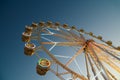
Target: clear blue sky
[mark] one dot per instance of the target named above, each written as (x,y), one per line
(99,16)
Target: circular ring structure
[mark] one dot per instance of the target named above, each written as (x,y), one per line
(71,53)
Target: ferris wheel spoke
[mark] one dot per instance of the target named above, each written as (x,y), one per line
(65,36)
(97,58)
(91,55)
(61,56)
(52,46)
(93,69)
(96,76)
(74,36)
(64,33)
(106,56)
(109,62)
(69,38)
(47,34)
(78,67)
(106,51)
(75,55)
(47,39)
(57,74)
(86,60)
(116,52)
(112,75)
(50,32)
(62,65)
(63,73)
(34,37)
(62,43)
(109,59)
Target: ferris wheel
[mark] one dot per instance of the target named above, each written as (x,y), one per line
(71,54)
